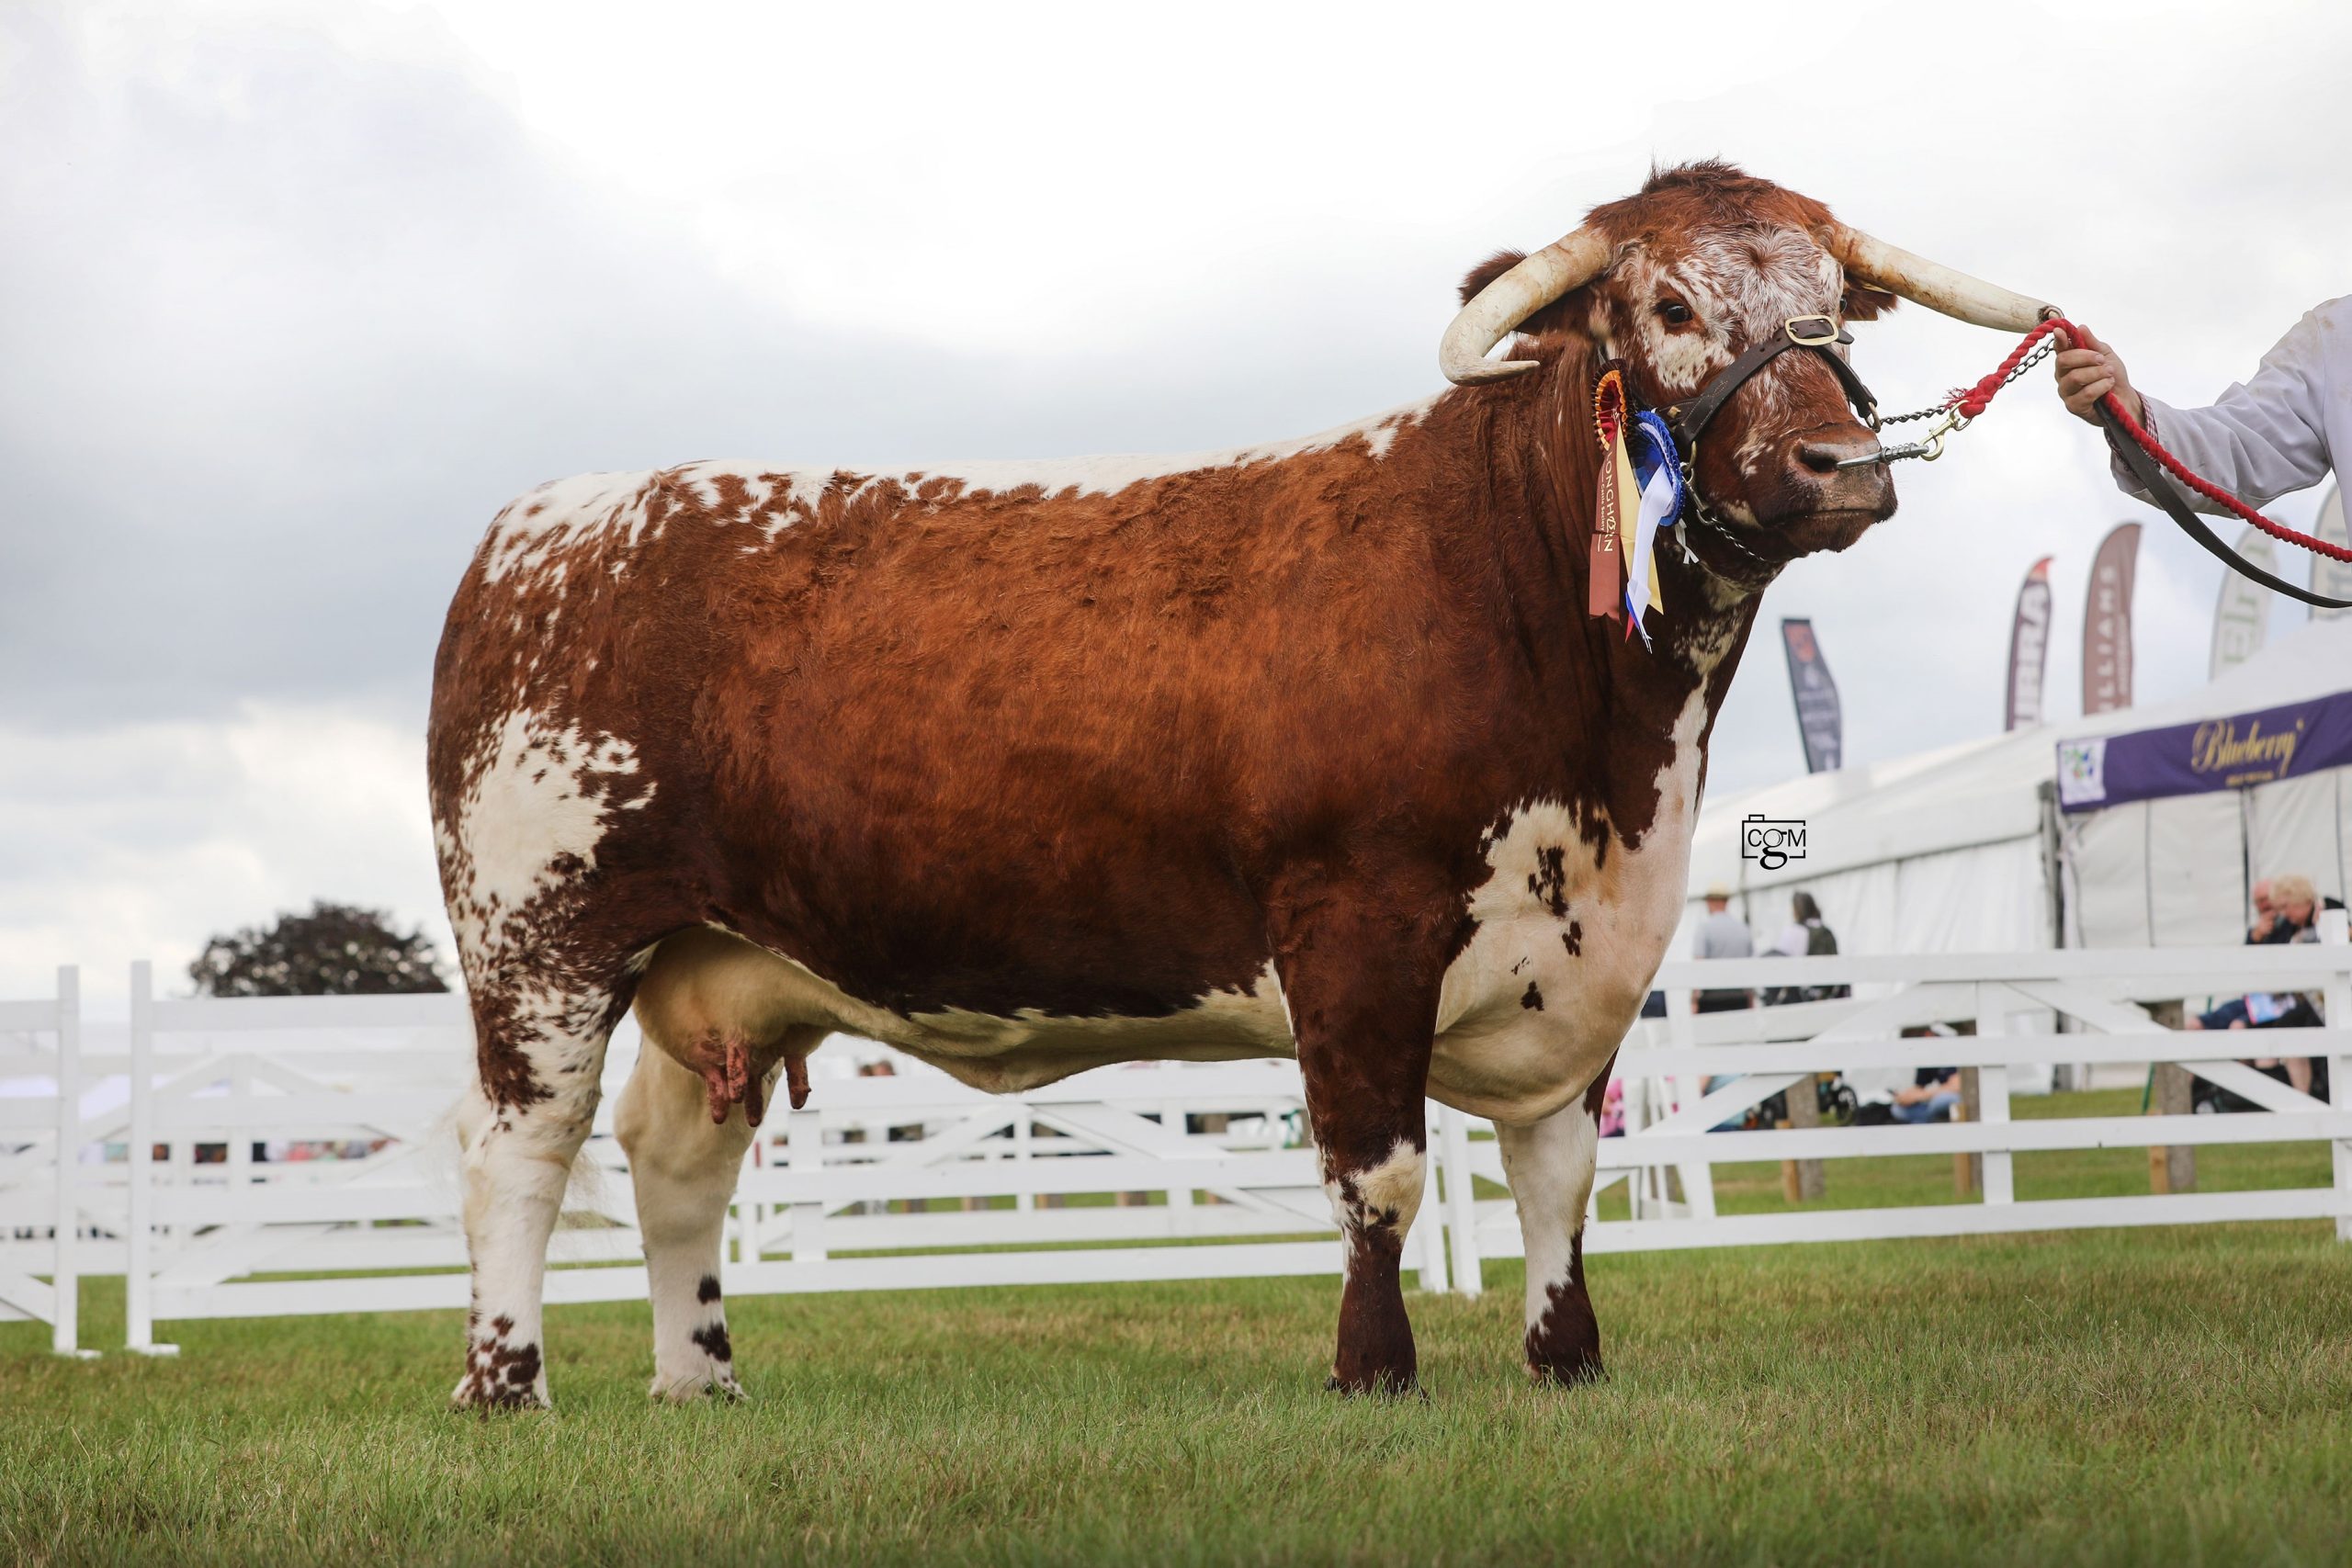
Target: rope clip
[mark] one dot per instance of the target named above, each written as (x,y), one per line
(1928,448)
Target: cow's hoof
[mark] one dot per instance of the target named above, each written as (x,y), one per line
(1568,1371)
(501,1375)
(698,1388)
(1382,1386)
(475,1397)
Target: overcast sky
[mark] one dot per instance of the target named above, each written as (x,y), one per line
(294,296)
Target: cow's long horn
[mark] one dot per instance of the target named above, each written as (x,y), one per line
(1498,307)
(1931,284)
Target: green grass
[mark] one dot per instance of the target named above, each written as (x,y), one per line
(2179,1396)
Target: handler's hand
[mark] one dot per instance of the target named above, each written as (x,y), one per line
(2087,375)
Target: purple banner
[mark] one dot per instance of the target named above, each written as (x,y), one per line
(1821,722)
(2217,754)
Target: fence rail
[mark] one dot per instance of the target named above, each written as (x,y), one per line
(135,1150)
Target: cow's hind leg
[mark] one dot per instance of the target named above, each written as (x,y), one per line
(1550,1167)
(541,1049)
(1364,1009)
(684,1167)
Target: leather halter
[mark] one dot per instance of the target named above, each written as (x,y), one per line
(1820,335)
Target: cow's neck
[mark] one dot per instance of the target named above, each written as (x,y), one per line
(1626,709)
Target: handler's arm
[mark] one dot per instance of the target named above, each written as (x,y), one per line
(2265,436)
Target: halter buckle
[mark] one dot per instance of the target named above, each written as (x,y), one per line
(1812,332)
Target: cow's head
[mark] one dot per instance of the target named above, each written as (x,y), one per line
(1679,282)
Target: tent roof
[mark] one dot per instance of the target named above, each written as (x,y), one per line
(1986,791)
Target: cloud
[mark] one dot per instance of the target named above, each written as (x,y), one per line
(141,839)
(293,298)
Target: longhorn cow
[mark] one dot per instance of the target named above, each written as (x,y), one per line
(1310,749)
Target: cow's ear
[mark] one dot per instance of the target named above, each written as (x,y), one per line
(1863,303)
(1551,318)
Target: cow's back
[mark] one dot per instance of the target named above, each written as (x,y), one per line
(963,743)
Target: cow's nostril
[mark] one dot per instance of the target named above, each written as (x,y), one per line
(1822,457)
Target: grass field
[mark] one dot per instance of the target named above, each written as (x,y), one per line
(2153,1396)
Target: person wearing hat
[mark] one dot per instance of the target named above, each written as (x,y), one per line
(1723,935)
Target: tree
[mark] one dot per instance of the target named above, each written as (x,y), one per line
(336,950)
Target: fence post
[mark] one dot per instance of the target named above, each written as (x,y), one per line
(1025,1136)
(1967,1170)
(2172,1169)
(1803,1180)
(1431,1221)
(1461,1218)
(1994,1169)
(748,1216)
(806,1131)
(1179,1197)
(1698,1175)
(138,1238)
(2335,932)
(65,1326)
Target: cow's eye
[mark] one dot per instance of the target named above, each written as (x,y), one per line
(1674,313)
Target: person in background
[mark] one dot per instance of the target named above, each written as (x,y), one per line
(2265,913)
(2300,903)
(2294,908)
(2285,907)
(1805,936)
(1612,1109)
(1723,935)
(1929,1097)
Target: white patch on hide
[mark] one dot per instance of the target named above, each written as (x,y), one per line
(560,512)
(1550,1167)
(1388,1194)
(537,796)
(1497,1054)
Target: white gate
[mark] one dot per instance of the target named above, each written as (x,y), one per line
(41,1219)
(2013,1003)
(885,1182)
(1158,1171)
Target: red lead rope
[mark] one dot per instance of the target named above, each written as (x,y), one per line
(1973,400)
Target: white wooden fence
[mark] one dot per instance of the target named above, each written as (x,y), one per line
(1158,1171)
(2015,1002)
(40,1044)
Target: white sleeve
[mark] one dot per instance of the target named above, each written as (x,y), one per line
(2267,435)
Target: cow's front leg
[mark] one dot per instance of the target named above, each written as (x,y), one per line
(1363,996)
(1550,1165)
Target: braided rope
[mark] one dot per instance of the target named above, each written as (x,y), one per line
(1971,401)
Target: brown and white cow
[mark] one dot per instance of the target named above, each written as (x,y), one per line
(1309,748)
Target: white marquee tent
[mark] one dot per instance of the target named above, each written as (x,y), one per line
(1955,850)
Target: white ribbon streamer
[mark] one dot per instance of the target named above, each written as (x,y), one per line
(1641,574)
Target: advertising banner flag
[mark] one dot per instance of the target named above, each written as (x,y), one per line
(2236,752)
(2242,616)
(2107,622)
(2029,649)
(1819,718)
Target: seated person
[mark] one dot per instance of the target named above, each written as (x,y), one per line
(2286,909)
(2294,909)
(1612,1109)
(1929,1097)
